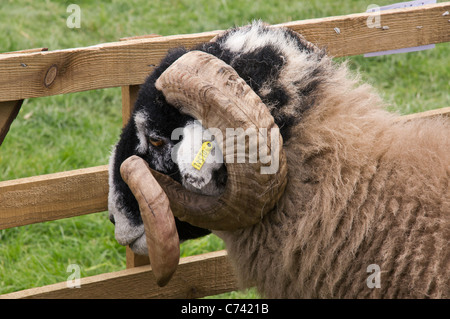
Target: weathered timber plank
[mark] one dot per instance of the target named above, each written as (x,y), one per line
(8,113)
(73,70)
(26,51)
(404,28)
(129,62)
(129,96)
(135,260)
(196,276)
(54,196)
(136,37)
(445,111)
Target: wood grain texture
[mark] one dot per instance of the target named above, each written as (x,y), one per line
(54,196)
(135,260)
(196,277)
(145,36)
(129,96)
(26,51)
(101,66)
(445,111)
(355,37)
(129,62)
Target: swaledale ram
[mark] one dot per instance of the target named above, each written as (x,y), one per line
(359,203)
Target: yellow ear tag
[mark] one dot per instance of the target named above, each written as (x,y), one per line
(202,154)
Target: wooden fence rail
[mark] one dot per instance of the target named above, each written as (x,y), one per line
(43,198)
(39,73)
(46,73)
(196,277)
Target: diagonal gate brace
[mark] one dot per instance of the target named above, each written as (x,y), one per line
(8,112)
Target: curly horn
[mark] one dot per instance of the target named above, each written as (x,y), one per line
(210,90)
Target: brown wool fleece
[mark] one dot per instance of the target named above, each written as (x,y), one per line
(364,187)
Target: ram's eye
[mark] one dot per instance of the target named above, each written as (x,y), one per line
(156,142)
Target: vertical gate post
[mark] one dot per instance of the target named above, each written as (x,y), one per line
(129,95)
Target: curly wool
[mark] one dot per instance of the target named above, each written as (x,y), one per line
(364,187)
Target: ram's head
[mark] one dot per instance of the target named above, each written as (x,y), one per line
(241,127)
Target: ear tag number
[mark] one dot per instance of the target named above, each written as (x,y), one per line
(202,154)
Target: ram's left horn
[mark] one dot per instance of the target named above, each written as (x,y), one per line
(210,90)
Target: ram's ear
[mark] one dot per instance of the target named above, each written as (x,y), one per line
(210,90)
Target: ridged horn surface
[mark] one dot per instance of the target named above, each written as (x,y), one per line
(211,91)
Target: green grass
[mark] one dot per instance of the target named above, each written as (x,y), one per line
(77,130)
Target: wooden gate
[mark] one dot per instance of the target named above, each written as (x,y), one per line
(126,64)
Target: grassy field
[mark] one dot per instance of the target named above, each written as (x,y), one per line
(77,130)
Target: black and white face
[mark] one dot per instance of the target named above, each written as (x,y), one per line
(169,142)
(176,154)
(283,69)
(170,147)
